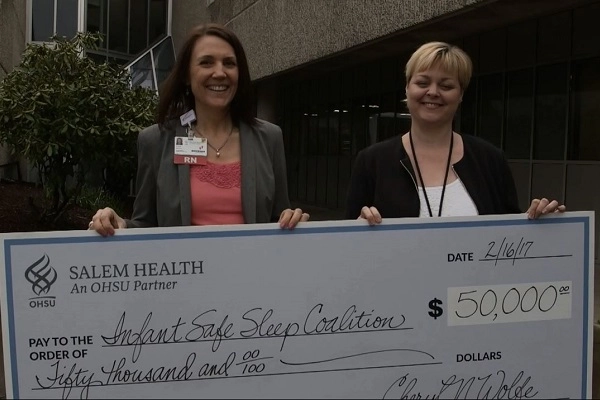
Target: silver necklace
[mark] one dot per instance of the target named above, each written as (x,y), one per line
(216,149)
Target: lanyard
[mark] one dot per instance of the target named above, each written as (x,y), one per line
(412,147)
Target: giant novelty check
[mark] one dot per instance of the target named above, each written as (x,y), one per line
(488,307)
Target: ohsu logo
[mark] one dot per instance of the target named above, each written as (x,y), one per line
(42,276)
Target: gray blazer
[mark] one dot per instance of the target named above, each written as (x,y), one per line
(163,188)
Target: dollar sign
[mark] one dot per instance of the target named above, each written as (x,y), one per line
(436,310)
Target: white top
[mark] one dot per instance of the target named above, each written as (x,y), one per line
(457,202)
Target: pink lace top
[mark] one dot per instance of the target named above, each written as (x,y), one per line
(216,194)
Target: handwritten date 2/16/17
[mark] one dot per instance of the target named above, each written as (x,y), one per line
(507,250)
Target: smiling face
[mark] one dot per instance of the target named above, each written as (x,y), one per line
(213,74)
(433,96)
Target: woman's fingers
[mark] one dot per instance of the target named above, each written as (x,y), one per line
(105,221)
(543,206)
(289,218)
(371,214)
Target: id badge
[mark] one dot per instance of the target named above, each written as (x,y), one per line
(191,151)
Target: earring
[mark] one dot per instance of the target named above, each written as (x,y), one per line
(187,91)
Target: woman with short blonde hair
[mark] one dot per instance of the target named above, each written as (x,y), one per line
(432,170)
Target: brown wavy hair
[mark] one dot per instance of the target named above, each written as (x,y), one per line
(174,100)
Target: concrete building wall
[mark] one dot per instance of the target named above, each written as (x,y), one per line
(12,32)
(12,44)
(282,34)
(185,15)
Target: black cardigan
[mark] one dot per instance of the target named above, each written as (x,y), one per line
(383,177)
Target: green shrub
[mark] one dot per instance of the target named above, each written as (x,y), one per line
(92,198)
(70,116)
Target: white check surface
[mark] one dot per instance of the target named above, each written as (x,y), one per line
(458,307)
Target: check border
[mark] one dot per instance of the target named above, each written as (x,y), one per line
(304,230)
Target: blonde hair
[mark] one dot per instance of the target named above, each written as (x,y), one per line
(446,56)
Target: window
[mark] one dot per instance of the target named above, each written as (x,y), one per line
(142,72)
(118,26)
(492,51)
(157,23)
(97,18)
(42,26)
(164,59)
(586,35)
(554,37)
(550,112)
(50,17)
(491,108)
(138,40)
(521,40)
(129,26)
(66,18)
(468,109)
(584,143)
(519,114)
(386,117)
